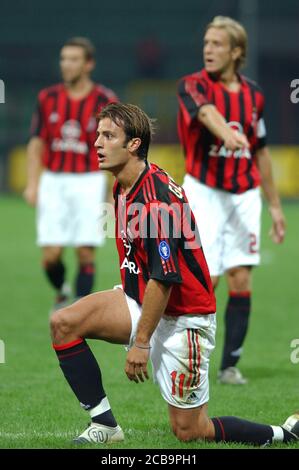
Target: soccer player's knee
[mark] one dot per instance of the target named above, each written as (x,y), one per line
(60,324)
(187,433)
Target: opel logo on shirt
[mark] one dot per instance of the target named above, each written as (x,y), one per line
(71,130)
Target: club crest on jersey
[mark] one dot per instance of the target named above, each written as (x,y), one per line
(54,117)
(164,250)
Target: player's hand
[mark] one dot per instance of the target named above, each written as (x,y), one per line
(278,229)
(235,141)
(136,364)
(30,195)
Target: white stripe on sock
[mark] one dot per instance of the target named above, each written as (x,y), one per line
(278,434)
(100,408)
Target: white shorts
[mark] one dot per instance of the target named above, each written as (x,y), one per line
(180,354)
(68,209)
(229,225)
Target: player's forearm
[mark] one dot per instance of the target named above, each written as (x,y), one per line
(154,304)
(34,161)
(210,117)
(267,181)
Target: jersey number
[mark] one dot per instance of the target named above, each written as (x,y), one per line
(253,244)
(181,384)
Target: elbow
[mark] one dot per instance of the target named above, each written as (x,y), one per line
(204,113)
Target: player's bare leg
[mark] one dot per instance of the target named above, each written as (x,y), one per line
(104,315)
(192,423)
(86,270)
(236,323)
(215,281)
(55,272)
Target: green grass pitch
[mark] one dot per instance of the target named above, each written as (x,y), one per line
(37,408)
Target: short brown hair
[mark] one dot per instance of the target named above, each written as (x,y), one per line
(134,122)
(237,35)
(85,44)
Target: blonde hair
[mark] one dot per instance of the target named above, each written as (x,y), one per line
(236,33)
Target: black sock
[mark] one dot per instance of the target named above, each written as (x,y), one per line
(231,429)
(83,374)
(85,279)
(236,325)
(55,273)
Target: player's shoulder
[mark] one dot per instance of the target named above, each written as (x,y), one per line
(103,91)
(252,84)
(198,79)
(163,184)
(199,76)
(50,91)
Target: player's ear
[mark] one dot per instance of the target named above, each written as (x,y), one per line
(134,144)
(236,53)
(90,65)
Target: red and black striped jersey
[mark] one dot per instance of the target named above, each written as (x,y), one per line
(68,127)
(206,157)
(157,238)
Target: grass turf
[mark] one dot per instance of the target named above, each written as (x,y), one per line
(37,408)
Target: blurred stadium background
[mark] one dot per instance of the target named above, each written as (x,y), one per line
(143,47)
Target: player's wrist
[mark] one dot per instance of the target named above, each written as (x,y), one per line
(141,346)
(142,343)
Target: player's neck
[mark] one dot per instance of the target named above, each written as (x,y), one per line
(229,78)
(79,89)
(129,175)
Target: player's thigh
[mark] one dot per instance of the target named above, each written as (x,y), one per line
(103,315)
(242,233)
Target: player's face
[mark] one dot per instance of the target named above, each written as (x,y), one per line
(111,145)
(217,51)
(73,64)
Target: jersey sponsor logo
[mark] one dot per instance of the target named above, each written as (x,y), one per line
(164,250)
(130,265)
(217,151)
(54,117)
(126,264)
(70,132)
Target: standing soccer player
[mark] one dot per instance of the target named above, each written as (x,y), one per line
(221,128)
(63,175)
(165,308)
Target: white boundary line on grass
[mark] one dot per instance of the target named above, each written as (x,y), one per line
(36,434)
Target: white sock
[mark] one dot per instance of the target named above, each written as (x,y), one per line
(278,434)
(101,408)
